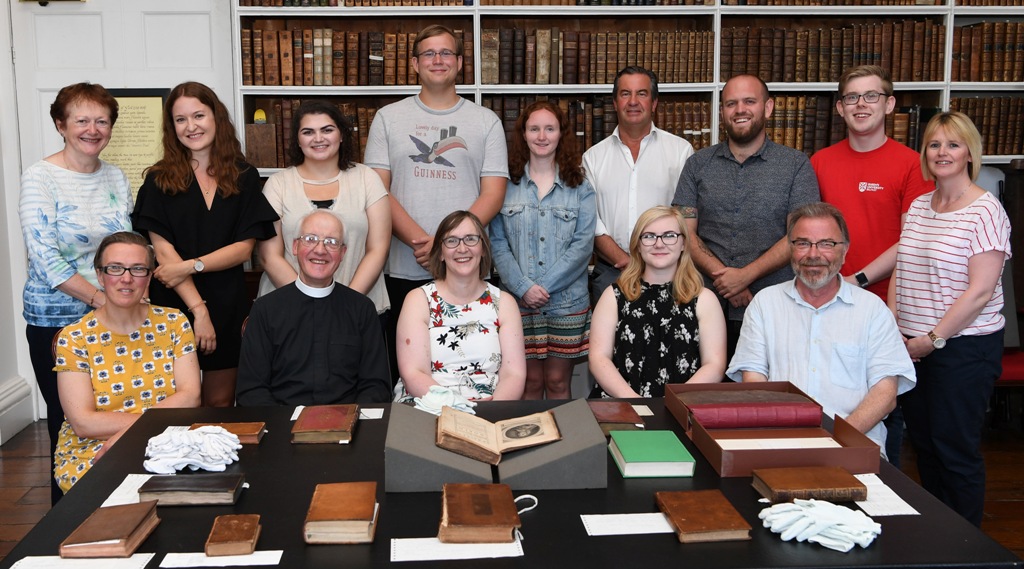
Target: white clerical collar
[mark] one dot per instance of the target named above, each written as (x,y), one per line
(314,291)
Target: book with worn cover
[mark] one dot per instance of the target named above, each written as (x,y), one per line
(114,531)
(233,534)
(650,454)
(832,483)
(343,512)
(248,433)
(731,409)
(325,423)
(485,441)
(615,416)
(193,489)
(702,516)
(478,513)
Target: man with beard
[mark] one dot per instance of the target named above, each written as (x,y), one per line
(735,196)
(835,341)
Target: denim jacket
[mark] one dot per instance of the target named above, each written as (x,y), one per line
(546,242)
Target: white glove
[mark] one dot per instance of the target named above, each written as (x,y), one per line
(832,526)
(208,448)
(438,397)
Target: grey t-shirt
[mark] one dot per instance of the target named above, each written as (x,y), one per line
(436,159)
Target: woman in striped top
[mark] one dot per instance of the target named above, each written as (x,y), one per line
(947,298)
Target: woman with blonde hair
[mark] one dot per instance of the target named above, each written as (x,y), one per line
(657,323)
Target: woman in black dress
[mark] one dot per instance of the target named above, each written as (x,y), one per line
(202,207)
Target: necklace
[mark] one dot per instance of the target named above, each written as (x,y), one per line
(949,204)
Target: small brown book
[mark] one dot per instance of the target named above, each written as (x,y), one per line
(114,531)
(485,441)
(478,513)
(193,489)
(832,483)
(343,512)
(702,515)
(233,534)
(325,424)
(247,433)
(615,416)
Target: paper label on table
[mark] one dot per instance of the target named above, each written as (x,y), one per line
(643,410)
(298,409)
(128,491)
(202,560)
(431,549)
(365,413)
(774,444)
(882,500)
(137,561)
(626,524)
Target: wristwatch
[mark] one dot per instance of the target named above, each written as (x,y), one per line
(862,279)
(937,342)
(198,265)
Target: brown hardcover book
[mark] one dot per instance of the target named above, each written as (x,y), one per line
(217,488)
(683,70)
(390,59)
(742,39)
(810,124)
(246,56)
(318,56)
(702,516)
(800,66)
(598,60)
(257,57)
(114,531)
(352,58)
(364,58)
(670,48)
(297,59)
(530,59)
(403,56)
(279,133)
(832,483)
(233,534)
(468,45)
(570,60)
(271,64)
(248,433)
(612,57)
(904,69)
(287,65)
(847,50)
(485,441)
(767,52)
(1011,52)
(307,57)
(412,78)
(917,64)
(261,145)
(788,56)
(325,424)
(955,55)
(489,43)
(543,53)
(505,36)
(616,415)
(518,56)
(987,54)
(725,54)
(555,68)
(337,57)
(328,50)
(343,512)
(790,122)
(478,513)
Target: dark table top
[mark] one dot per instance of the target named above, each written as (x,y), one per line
(282,477)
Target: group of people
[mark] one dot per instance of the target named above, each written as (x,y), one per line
(378,279)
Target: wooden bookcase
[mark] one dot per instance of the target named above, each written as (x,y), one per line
(804,100)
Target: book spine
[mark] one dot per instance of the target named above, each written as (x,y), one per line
(271,65)
(257,57)
(543,57)
(530,60)
(468,47)
(390,59)
(376,58)
(570,47)
(489,45)
(750,415)
(318,56)
(518,56)
(307,57)
(505,38)
(246,50)
(364,58)
(328,56)
(337,58)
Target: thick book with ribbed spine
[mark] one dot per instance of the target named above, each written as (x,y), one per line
(831,483)
(246,38)
(543,56)
(478,513)
(650,454)
(284,38)
(351,59)
(114,531)
(215,488)
(489,45)
(248,433)
(342,512)
(390,58)
(233,534)
(480,439)
(702,516)
(325,423)
(735,409)
(271,63)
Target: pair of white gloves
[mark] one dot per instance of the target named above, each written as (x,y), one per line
(825,523)
(438,397)
(208,448)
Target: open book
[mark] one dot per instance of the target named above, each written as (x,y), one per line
(485,441)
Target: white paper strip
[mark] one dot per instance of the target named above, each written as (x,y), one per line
(882,500)
(431,549)
(626,524)
(137,561)
(128,491)
(201,559)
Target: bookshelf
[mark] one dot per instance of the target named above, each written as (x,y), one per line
(947,75)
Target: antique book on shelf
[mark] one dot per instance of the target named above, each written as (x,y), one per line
(318,56)
(485,441)
(279,133)
(917,63)
(555,67)
(598,60)
(543,50)
(612,58)
(364,58)
(307,57)
(261,145)
(287,66)
(328,50)
(114,531)
(246,38)
(570,50)
(390,58)
(584,57)
(831,483)
(337,58)
(987,53)
(215,488)
(403,56)
(489,56)
(298,61)
(375,71)
(650,454)
(530,59)
(789,56)
(518,56)
(352,58)
(271,64)
(249,433)
(233,534)
(411,77)
(468,45)
(615,416)
(342,512)
(325,423)
(257,57)
(800,65)
(702,516)
(505,55)
(478,513)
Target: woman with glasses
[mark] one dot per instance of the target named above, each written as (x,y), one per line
(543,238)
(202,208)
(657,323)
(459,331)
(70,200)
(120,359)
(324,175)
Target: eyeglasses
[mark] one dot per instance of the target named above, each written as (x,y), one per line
(823,245)
(668,238)
(452,242)
(101,124)
(311,240)
(118,270)
(869,97)
(430,54)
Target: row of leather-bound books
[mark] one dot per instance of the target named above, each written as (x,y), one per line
(1000,120)
(267,145)
(910,50)
(988,51)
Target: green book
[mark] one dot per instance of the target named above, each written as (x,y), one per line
(650,454)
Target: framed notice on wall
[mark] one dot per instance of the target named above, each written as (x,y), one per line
(135,143)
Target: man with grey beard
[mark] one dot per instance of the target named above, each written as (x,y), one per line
(835,341)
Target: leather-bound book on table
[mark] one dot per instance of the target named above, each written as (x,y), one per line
(831,483)
(114,531)
(248,433)
(750,408)
(702,516)
(233,534)
(343,512)
(615,416)
(325,424)
(219,488)
(478,513)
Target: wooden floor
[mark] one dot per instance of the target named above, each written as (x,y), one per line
(25,490)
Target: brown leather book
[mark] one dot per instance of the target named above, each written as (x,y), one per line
(955,55)
(468,45)
(740,61)
(505,37)
(297,59)
(478,513)
(987,50)
(906,66)
(261,145)
(343,512)
(835,62)
(364,58)
(1011,52)
(918,64)
(543,57)
(287,65)
(278,117)
(530,59)
(307,57)
(617,415)
(337,57)
(726,53)
(327,52)
(114,531)
(832,483)
(670,48)
(800,66)
(584,58)
(518,56)
(351,58)
(233,534)
(612,57)
(402,60)
(246,40)
(570,59)
(390,58)
(271,64)
(325,424)
(193,489)
(555,68)
(489,43)
(257,57)
(702,516)
(599,59)
(248,433)
(766,48)
(790,122)
(788,56)
(375,42)
(480,439)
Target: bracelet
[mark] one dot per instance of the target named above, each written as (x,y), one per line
(195,306)
(92,301)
